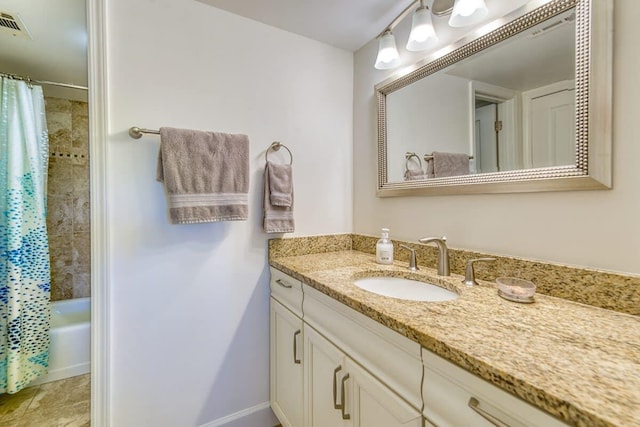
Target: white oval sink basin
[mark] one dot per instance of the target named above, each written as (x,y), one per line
(401,288)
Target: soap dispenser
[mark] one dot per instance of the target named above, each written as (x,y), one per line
(384,248)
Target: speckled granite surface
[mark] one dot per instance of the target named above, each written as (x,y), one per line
(587,286)
(578,362)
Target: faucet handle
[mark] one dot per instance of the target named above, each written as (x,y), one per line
(442,239)
(412,257)
(469,274)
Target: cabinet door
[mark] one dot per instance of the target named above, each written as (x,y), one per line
(286,354)
(373,404)
(324,373)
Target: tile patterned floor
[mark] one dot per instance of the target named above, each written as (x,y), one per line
(64,403)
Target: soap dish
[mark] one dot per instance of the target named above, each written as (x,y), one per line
(516,290)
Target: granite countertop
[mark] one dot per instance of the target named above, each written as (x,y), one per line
(579,363)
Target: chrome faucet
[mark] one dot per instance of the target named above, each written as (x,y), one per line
(469,273)
(412,258)
(443,254)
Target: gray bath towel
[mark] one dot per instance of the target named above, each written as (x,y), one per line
(450,164)
(280,184)
(276,219)
(205,175)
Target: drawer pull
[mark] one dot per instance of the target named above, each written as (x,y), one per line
(295,347)
(343,398)
(475,405)
(336,405)
(284,284)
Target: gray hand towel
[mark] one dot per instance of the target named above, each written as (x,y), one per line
(413,175)
(280,184)
(276,219)
(205,175)
(450,164)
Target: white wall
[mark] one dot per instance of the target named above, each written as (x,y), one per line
(189,313)
(592,228)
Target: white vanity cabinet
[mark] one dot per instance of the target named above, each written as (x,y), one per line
(337,367)
(454,397)
(286,349)
(341,393)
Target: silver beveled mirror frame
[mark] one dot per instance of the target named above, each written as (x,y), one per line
(592,170)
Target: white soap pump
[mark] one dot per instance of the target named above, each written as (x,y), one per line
(384,248)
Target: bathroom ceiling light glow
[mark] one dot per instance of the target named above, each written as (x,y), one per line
(388,56)
(423,34)
(468,12)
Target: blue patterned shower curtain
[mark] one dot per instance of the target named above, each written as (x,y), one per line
(24,249)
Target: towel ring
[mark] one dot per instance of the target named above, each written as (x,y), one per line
(408,155)
(275,146)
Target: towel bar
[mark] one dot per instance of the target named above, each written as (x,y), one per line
(428,157)
(408,155)
(275,146)
(136,132)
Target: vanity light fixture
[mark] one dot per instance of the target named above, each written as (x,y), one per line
(423,34)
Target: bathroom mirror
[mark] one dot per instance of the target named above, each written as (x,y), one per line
(522,105)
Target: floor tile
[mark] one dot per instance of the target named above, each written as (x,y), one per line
(76,415)
(15,405)
(62,393)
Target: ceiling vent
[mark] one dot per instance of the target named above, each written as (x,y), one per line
(10,23)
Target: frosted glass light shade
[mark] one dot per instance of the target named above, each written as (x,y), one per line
(468,12)
(388,56)
(422,32)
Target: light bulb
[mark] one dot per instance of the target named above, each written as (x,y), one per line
(468,12)
(422,32)
(388,56)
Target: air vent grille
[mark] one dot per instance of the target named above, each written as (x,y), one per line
(11,23)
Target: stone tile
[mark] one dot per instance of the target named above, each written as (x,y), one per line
(60,178)
(57,105)
(61,284)
(80,132)
(13,406)
(81,250)
(56,394)
(60,253)
(60,215)
(59,127)
(61,258)
(79,108)
(80,176)
(81,285)
(81,215)
(76,415)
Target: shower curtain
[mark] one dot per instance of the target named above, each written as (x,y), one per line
(24,249)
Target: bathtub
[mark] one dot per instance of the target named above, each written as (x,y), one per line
(70,352)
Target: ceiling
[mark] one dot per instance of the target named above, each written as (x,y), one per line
(347,24)
(57,48)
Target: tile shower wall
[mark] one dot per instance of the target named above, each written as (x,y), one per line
(68,198)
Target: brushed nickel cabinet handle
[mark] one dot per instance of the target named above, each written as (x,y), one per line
(343,398)
(336,405)
(295,347)
(284,284)
(475,405)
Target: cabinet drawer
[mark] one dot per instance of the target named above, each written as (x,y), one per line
(454,397)
(286,290)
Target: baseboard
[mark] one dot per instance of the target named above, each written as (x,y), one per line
(255,416)
(62,373)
